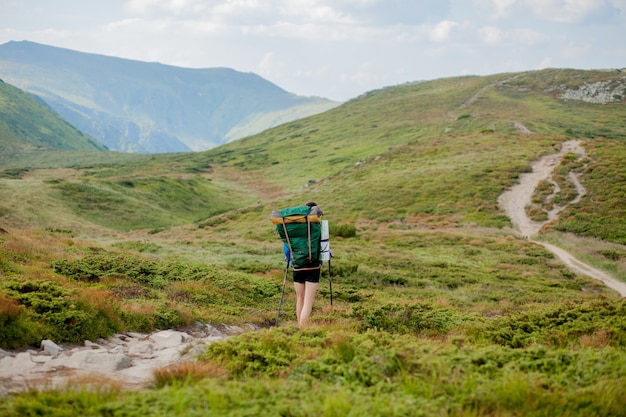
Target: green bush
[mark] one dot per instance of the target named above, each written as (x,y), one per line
(411,318)
(563,325)
(63,316)
(266,353)
(342,230)
(17,329)
(168,319)
(150,272)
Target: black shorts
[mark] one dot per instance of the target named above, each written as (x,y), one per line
(309,273)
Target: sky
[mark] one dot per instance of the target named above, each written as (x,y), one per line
(337,49)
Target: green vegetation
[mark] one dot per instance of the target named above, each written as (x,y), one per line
(145,202)
(87,296)
(27,124)
(439,308)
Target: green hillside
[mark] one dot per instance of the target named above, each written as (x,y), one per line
(439,306)
(27,125)
(447,149)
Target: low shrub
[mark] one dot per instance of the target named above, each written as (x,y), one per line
(60,314)
(562,325)
(266,353)
(17,330)
(342,230)
(411,318)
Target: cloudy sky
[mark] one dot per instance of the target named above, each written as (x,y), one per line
(336,49)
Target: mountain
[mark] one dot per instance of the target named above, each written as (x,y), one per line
(133,106)
(27,124)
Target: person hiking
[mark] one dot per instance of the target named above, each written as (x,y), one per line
(300,230)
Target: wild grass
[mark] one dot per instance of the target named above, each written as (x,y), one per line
(438,308)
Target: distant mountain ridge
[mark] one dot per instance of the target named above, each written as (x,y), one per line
(134,106)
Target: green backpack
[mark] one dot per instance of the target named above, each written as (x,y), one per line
(301,231)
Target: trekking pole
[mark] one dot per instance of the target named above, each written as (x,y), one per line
(326,253)
(283,292)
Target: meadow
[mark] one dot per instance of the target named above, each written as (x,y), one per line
(439,307)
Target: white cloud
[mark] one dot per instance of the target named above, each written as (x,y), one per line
(441,31)
(241,11)
(527,36)
(565,11)
(620,5)
(315,11)
(502,7)
(269,65)
(561,11)
(176,7)
(491,35)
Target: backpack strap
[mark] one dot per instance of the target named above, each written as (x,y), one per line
(308,232)
(288,241)
(296,218)
(313,268)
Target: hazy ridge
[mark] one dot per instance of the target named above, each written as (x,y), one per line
(133,106)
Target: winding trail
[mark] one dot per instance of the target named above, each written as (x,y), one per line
(515,200)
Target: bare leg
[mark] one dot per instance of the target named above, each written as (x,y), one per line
(300,287)
(310,288)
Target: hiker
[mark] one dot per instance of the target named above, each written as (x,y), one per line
(300,230)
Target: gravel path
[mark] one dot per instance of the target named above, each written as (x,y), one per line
(515,200)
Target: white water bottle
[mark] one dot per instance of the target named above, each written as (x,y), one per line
(325,243)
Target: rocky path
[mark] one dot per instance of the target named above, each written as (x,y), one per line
(125,360)
(515,200)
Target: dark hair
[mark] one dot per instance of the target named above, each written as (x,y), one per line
(311,204)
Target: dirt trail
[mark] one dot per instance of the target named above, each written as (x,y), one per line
(515,200)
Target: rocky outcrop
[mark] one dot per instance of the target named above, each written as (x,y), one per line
(601,92)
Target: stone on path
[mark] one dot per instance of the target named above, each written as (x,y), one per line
(93,360)
(19,364)
(169,338)
(50,347)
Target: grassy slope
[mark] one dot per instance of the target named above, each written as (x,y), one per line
(27,125)
(437,306)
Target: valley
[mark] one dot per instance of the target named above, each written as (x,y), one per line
(479,239)
(131,360)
